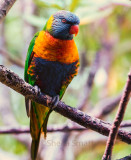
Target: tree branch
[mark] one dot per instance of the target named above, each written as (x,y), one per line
(5,6)
(52,128)
(106,106)
(13,81)
(15,61)
(126,158)
(89,82)
(119,117)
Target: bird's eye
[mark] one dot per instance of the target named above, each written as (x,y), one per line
(64,20)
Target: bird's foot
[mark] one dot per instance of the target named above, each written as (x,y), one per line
(38,90)
(54,102)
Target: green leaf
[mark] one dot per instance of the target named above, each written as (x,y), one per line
(74,4)
(46,4)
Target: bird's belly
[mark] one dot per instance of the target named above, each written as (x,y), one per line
(50,75)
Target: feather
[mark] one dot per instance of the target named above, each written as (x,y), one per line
(34,147)
(28,106)
(51,63)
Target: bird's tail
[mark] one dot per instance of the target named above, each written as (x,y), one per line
(34,147)
(38,120)
(44,127)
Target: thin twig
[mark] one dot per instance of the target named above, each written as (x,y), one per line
(126,158)
(83,62)
(13,81)
(5,6)
(119,117)
(15,61)
(52,128)
(106,106)
(89,83)
(126,123)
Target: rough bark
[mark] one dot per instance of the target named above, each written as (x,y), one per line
(118,119)
(5,6)
(13,81)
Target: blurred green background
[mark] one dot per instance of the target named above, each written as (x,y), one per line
(105,31)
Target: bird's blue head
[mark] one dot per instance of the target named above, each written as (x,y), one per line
(62,25)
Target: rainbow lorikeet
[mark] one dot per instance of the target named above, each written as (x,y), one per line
(51,63)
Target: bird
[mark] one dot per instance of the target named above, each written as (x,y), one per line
(51,63)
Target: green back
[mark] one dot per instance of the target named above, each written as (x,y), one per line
(28,57)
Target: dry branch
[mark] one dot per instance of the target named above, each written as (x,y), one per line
(106,106)
(126,158)
(118,119)
(5,6)
(13,81)
(15,61)
(89,83)
(51,129)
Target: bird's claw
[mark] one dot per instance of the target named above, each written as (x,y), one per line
(54,102)
(38,90)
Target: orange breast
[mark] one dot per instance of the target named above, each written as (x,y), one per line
(52,49)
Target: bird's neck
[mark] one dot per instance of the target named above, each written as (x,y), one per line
(53,49)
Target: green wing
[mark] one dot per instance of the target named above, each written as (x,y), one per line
(26,76)
(29,56)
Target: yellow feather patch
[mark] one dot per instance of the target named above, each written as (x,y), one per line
(49,23)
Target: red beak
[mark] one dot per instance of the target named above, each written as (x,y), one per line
(74,29)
